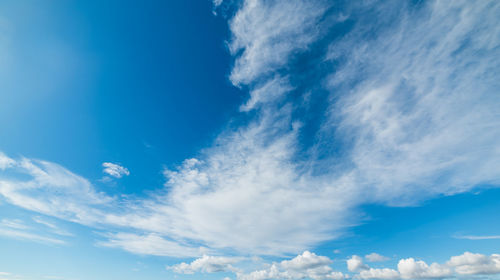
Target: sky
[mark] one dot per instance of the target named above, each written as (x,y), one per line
(249,139)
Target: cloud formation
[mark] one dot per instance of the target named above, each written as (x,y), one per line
(311,266)
(18,230)
(207,264)
(477,237)
(115,170)
(466,264)
(305,266)
(374,257)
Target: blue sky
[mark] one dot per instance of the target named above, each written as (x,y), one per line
(249,140)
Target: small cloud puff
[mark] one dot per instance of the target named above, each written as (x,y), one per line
(115,170)
(374,257)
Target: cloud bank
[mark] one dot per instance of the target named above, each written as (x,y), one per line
(311,266)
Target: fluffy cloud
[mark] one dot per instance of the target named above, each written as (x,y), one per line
(208,264)
(311,266)
(466,264)
(471,264)
(378,273)
(355,263)
(305,266)
(115,170)
(411,269)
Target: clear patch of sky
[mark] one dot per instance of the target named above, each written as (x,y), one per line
(140,84)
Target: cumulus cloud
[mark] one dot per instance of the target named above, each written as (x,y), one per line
(115,170)
(208,264)
(311,266)
(466,264)
(472,264)
(305,266)
(378,273)
(355,263)
(411,269)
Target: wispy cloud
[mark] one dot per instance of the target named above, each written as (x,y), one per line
(150,244)
(477,237)
(28,236)
(15,224)
(52,227)
(17,229)
(5,161)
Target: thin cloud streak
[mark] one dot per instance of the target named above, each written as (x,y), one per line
(477,237)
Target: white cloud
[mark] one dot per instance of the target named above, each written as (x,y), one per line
(374,257)
(355,263)
(268,32)
(474,264)
(307,260)
(411,269)
(28,236)
(466,264)
(206,264)
(115,170)
(477,237)
(150,244)
(378,273)
(15,224)
(50,189)
(5,161)
(17,229)
(305,266)
(423,122)
(53,227)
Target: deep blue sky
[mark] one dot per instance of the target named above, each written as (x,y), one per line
(140,84)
